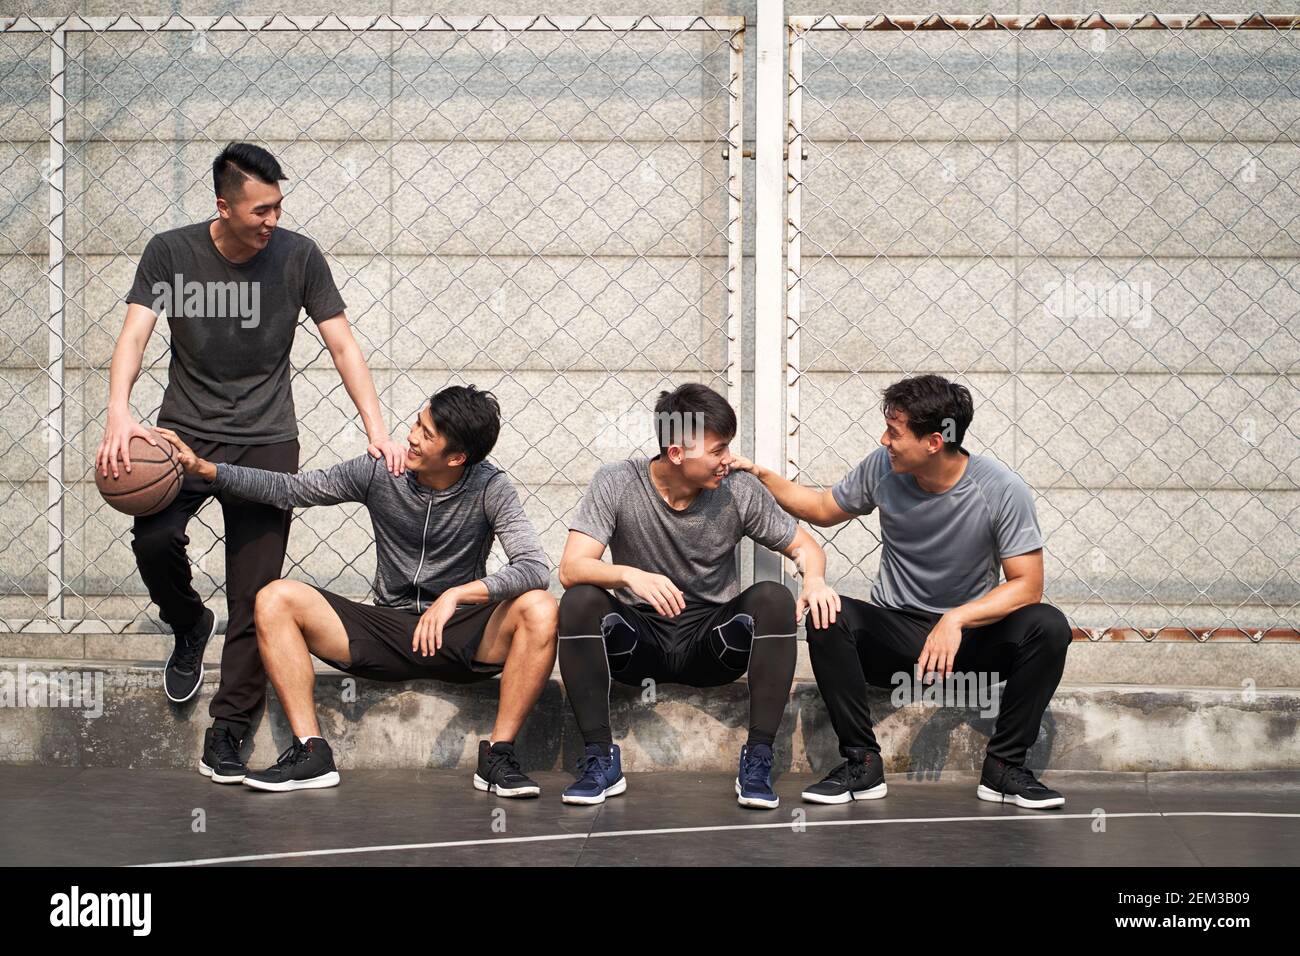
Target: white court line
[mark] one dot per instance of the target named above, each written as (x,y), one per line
(715,829)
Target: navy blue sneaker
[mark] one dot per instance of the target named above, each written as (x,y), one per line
(600,775)
(754,778)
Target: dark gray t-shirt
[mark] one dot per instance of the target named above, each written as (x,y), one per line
(695,548)
(232,327)
(941,550)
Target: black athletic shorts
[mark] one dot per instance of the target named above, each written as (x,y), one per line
(379,642)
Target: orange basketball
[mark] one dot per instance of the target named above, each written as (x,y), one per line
(152,483)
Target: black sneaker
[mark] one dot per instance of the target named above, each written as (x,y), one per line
(861,777)
(304,766)
(221,760)
(183,675)
(499,772)
(1002,783)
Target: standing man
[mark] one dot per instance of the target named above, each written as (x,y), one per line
(947,519)
(232,288)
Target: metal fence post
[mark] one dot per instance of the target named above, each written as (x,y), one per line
(769,221)
(54,419)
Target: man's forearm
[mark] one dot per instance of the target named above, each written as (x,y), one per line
(804,503)
(476,592)
(122,373)
(1002,600)
(593,571)
(814,564)
(360,387)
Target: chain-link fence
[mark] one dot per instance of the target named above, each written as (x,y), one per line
(1091,223)
(547,207)
(1088,222)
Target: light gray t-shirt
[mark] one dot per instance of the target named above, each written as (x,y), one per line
(941,550)
(695,548)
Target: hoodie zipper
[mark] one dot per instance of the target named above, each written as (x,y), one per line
(423,536)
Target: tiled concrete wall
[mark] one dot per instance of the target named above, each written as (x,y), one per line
(1159,436)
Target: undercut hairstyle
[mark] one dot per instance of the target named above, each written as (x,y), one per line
(933,404)
(469,421)
(241,161)
(690,410)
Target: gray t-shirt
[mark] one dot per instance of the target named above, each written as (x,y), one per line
(232,327)
(695,548)
(941,550)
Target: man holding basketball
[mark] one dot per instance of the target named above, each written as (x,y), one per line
(232,288)
(948,519)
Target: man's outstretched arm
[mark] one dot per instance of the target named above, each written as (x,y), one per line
(346,481)
(814,505)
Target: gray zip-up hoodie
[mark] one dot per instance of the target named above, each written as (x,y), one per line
(426,541)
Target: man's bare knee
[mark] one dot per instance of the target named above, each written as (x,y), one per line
(274,604)
(539,615)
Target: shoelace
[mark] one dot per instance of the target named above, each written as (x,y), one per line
(592,765)
(226,747)
(758,769)
(843,774)
(498,757)
(186,656)
(1022,777)
(296,753)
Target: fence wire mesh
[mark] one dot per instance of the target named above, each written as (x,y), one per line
(547,207)
(1092,224)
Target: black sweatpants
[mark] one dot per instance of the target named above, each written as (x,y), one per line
(871,644)
(604,639)
(257,536)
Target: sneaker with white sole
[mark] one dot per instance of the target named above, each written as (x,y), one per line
(860,777)
(1002,783)
(499,771)
(303,766)
(754,778)
(221,760)
(600,775)
(183,673)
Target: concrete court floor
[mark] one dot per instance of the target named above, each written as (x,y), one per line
(110,817)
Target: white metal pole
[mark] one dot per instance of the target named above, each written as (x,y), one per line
(769,226)
(54,561)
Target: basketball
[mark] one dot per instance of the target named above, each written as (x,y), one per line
(152,483)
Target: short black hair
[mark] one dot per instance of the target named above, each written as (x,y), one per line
(468,419)
(708,411)
(933,404)
(240,161)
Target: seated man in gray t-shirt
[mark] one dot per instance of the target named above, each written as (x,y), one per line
(947,520)
(678,615)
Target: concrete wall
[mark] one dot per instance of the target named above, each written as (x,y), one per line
(614,246)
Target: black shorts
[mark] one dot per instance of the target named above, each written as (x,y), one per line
(379,642)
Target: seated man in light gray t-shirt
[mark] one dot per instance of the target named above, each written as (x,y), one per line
(947,520)
(678,614)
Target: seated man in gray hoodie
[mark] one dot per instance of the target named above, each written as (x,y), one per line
(437,613)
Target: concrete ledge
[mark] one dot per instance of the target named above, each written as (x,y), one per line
(128,722)
(1171,663)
